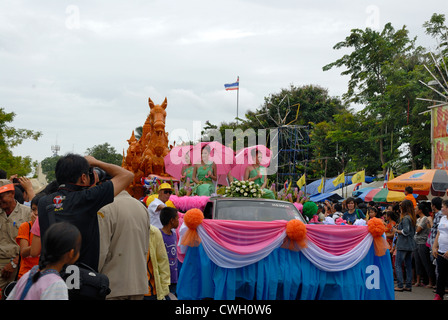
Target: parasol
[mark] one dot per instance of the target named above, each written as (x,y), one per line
(222,156)
(379,195)
(427,182)
(175,160)
(243,159)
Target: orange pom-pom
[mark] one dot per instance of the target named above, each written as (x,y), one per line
(377,228)
(192,219)
(296,235)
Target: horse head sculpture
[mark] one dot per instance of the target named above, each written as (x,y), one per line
(145,156)
(157,116)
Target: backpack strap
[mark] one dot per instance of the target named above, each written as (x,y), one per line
(29,281)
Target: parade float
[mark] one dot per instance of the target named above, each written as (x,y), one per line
(263,260)
(283,260)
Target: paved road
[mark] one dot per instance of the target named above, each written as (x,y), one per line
(417,293)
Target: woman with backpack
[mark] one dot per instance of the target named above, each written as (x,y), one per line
(61,246)
(353,213)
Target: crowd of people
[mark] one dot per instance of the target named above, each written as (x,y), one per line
(417,234)
(83,220)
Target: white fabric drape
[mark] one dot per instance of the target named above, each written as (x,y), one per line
(328,262)
(228,259)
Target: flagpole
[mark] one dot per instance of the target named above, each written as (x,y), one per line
(325,173)
(237,98)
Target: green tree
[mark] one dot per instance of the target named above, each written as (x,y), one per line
(345,144)
(48,166)
(324,152)
(295,106)
(371,53)
(437,29)
(408,125)
(11,137)
(105,152)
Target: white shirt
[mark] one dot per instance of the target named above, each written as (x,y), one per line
(154,214)
(443,234)
(337,215)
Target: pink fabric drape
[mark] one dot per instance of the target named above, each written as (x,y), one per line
(244,237)
(186,203)
(336,239)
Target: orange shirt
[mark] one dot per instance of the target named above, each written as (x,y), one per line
(26,263)
(411,197)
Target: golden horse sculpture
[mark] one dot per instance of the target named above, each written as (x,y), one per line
(145,156)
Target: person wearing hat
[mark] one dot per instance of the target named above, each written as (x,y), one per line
(165,191)
(12,215)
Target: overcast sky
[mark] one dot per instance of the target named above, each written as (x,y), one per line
(81,72)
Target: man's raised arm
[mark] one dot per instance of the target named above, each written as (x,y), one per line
(121,178)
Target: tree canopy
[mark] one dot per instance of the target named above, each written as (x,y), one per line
(11,137)
(390,129)
(105,152)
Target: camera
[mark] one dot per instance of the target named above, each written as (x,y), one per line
(102,175)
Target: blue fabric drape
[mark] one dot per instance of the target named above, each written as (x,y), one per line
(284,275)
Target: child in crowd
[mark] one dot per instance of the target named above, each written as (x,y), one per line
(61,245)
(170,221)
(158,268)
(372,212)
(24,239)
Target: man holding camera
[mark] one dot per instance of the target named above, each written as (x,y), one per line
(78,200)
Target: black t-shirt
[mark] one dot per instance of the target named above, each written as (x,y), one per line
(79,206)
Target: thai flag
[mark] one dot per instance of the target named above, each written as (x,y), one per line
(232,86)
(357,186)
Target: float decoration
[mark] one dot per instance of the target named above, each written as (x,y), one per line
(185,203)
(377,228)
(309,209)
(145,156)
(246,189)
(231,253)
(296,235)
(192,219)
(232,244)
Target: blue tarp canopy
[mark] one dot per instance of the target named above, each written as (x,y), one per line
(320,197)
(311,188)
